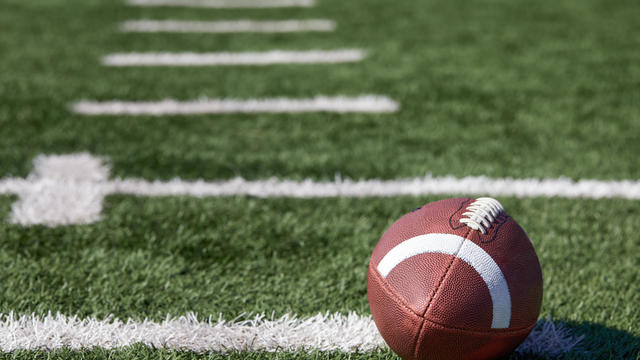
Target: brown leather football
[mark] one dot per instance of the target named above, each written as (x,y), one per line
(455,279)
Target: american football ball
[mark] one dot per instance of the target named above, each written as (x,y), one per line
(455,279)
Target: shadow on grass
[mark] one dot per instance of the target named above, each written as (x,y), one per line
(598,342)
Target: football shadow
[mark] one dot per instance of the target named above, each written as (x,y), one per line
(598,342)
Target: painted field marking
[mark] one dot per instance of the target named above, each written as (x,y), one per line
(271,57)
(61,190)
(336,104)
(224,3)
(230,26)
(325,332)
(69,189)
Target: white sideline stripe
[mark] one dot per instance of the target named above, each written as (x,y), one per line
(337,104)
(232,26)
(224,3)
(325,332)
(228,58)
(465,250)
(69,189)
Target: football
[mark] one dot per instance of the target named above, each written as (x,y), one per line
(455,279)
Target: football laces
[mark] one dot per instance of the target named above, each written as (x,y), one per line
(481,213)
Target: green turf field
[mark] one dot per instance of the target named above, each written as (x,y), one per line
(494,88)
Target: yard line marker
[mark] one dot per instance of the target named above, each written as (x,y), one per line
(61,190)
(324,332)
(337,104)
(69,189)
(224,3)
(228,58)
(231,26)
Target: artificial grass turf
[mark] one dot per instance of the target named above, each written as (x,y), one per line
(153,256)
(502,89)
(144,352)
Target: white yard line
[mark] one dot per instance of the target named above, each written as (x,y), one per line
(337,332)
(337,104)
(428,185)
(224,3)
(69,189)
(230,26)
(231,59)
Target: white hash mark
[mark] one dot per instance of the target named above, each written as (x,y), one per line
(337,104)
(224,3)
(228,26)
(234,58)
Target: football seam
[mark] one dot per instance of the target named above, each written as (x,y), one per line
(433,295)
(392,292)
(444,275)
(416,341)
(508,331)
(398,300)
(402,303)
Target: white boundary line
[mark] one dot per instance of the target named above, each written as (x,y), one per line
(325,332)
(337,104)
(224,3)
(69,189)
(231,59)
(230,26)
